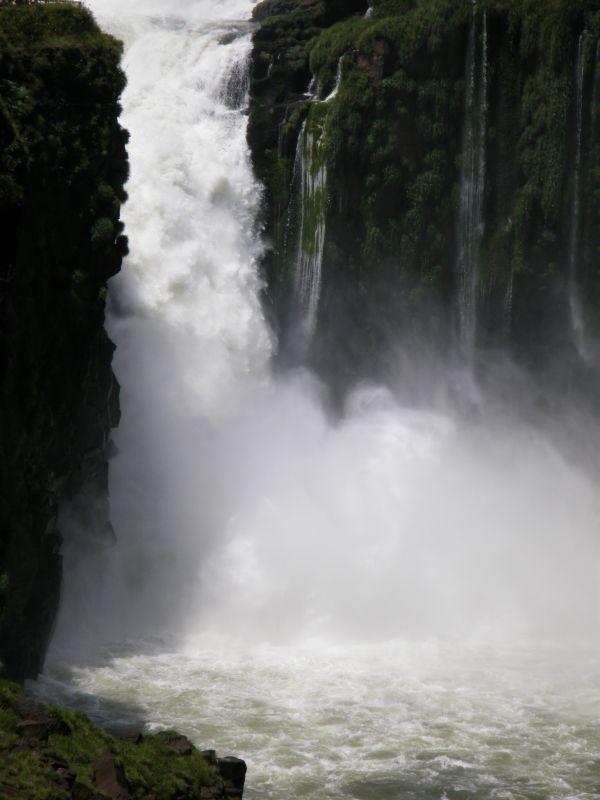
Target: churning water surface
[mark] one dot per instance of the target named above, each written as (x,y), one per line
(395,721)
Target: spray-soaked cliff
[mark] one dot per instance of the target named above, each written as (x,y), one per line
(455,148)
(62,169)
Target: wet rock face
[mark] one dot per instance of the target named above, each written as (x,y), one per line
(393,139)
(233,772)
(63,165)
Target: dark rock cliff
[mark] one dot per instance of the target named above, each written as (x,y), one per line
(63,166)
(391,143)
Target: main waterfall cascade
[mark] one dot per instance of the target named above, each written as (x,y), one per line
(394,601)
(472,184)
(191,338)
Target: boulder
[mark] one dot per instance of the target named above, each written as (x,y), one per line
(233,771)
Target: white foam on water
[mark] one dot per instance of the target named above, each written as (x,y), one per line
(383,721)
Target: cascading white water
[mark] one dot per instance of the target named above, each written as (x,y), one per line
(335,600)
(338,81)
(577,316)
(472,185)
(310,184)
(186,317)
(309,207)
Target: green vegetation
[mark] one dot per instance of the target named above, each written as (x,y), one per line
(56,760)
(393,138)
(50,25)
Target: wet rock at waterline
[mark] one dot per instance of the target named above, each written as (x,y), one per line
(233,771)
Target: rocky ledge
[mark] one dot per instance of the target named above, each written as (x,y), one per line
(47,753)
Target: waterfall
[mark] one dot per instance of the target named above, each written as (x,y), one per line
(334,598)
(472,186)
(308,210)
(338,80)
(231,490)
(312,90)
(310,183)
(192,342)
(578,326)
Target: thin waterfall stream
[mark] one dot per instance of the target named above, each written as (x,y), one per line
(575,305)
(338,80)
(472,183)
(392,601)
(310,178)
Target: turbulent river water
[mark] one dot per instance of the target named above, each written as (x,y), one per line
(394,602)
(393,721)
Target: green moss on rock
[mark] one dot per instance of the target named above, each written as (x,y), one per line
(394,139)
(47,753)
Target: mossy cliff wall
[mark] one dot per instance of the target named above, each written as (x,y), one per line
(63,165)
(392,143)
